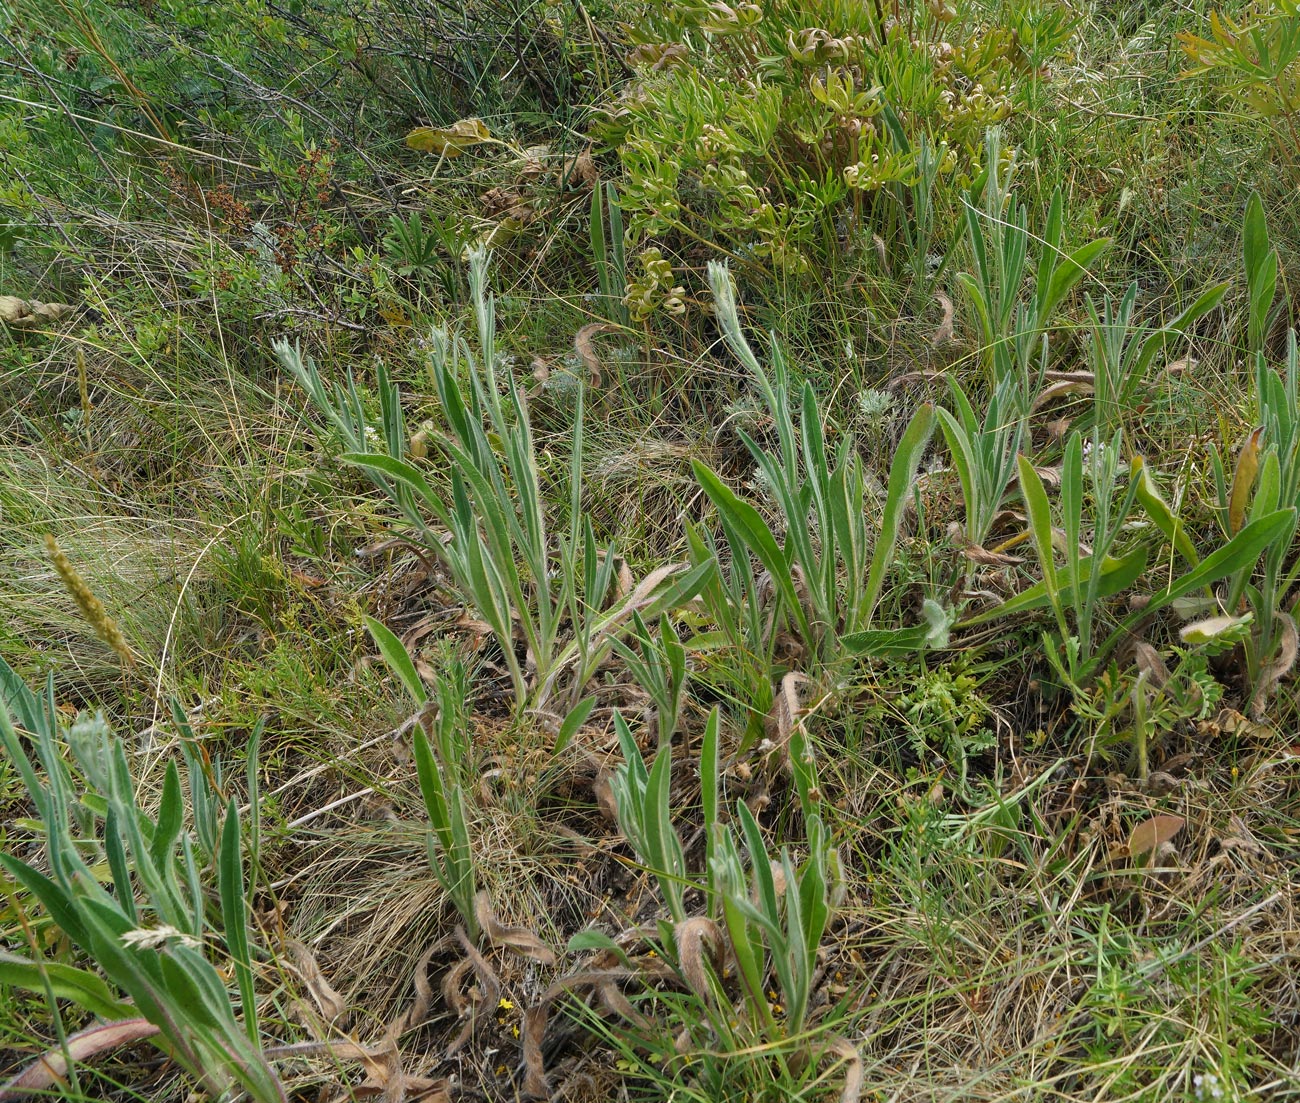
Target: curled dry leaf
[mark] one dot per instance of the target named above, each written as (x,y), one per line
(30,313)
(981,555)
(506,203)
(452,995)
(639,598)
(535,1084)
(449,141)
(49,1069)
(882,251)
(332,1006)
(912,378)
(943,334)
(1060,389)
(534,163)
(466,1008)
(1278,669)
(613,1000)
(1149,661)
(519,939)
(1161,783)
(604,983)
(489,781)
(489,985)
(419,1009)
(1149,835)
(1007,517)
(586,351)
(844,1050)
(1232,722)
(803,592)
(786,709)
(580,171)
(698,939)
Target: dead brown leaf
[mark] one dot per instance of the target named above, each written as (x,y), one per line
(1152,833)
(698,940)
(519,939)
(586,351)
(534,166)
(1059,390)
(534,1029)
(1057,428)
(1278,669)
(1149,661)
(912,378)
(787,709)
(49,1070)
(466,1006)
(419,1009)
(31,313)
(604,795)
(580,171)
(506,203)
(843,1049)
(981,555)
(1051,476)
(613,1000)
(332,1007)
(1231,722)
(943,334)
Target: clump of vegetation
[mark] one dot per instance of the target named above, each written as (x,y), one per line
(725,551)
(785,134)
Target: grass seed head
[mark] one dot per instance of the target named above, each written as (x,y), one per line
(91,607)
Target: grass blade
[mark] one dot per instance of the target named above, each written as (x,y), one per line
(234,915)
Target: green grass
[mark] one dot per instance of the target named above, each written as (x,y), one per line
(208,180)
